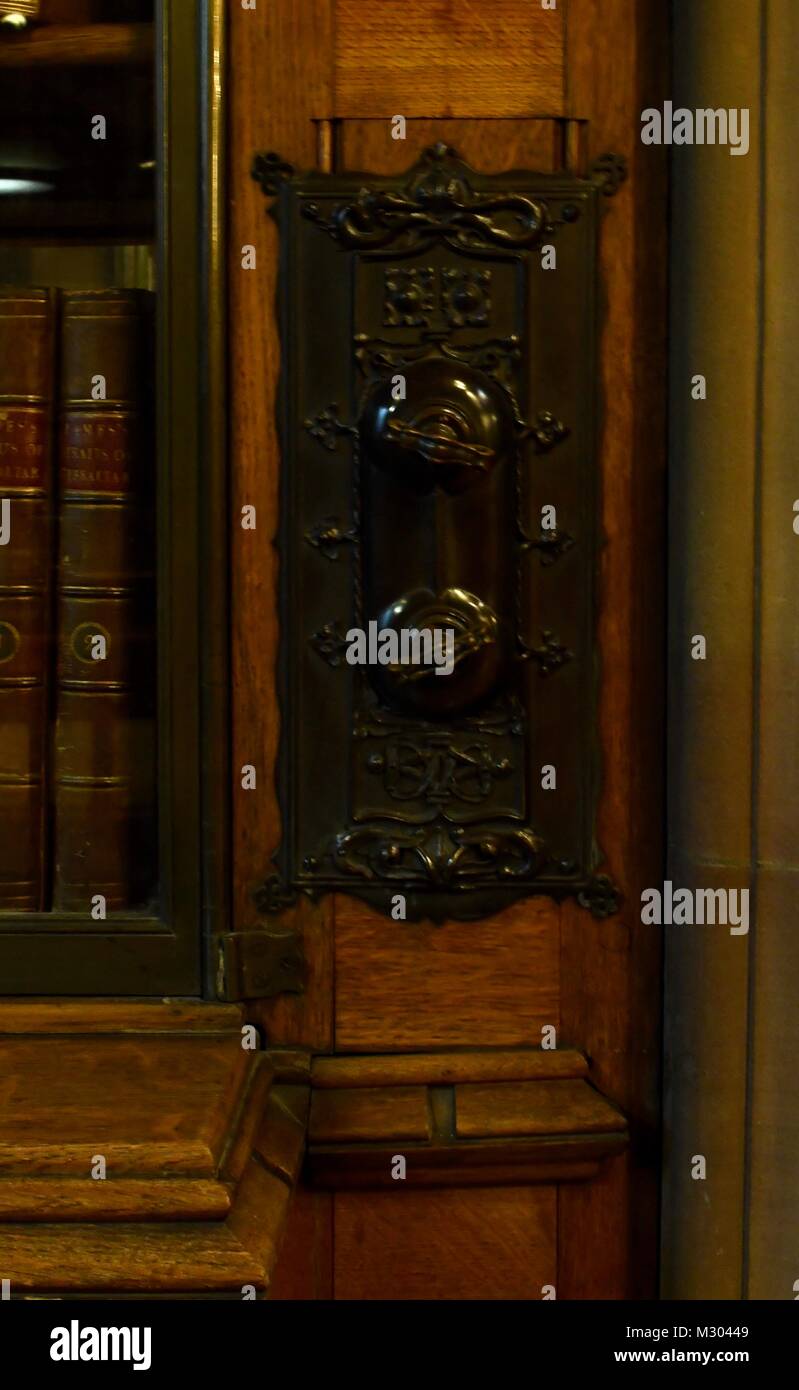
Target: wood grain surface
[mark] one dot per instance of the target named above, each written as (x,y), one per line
(116,1257)
(53,1016)
(375,985)
(149,1106)
(491,1243)
(616,65)
(304,1267)
(414,985)
(396,1112)
(451,58)
(489,146)
(533,1107)
(281,56)
(445,1068)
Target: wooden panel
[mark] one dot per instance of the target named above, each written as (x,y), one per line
(616,64)
(305,1263)
(533,1107)
(412,985)
(281,56)
(147,1106)
(489,146)
(461,1244)
(594,1237)
(445,1068)
(448,59)
(399,1112)
(401,986)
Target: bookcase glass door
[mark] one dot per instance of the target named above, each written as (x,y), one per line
(101,302)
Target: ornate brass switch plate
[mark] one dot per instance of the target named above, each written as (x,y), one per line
(439,476)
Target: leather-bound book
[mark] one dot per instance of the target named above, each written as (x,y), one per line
(104,756)
(26,392)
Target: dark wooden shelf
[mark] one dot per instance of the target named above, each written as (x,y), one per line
(79,45)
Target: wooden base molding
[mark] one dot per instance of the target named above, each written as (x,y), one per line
(488,1118)
(200,1139)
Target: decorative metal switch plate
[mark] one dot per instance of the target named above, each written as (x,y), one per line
(439,474)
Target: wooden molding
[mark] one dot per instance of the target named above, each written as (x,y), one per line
(487,1118)
(201,1140)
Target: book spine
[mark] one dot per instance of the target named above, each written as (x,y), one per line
(104,751)
(27,335)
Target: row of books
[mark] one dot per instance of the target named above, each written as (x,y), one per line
(77,600)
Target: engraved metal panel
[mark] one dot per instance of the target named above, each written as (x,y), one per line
(439,471)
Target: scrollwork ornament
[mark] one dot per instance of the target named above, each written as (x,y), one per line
(273,895)
(437,203)
(609,170)
(270,172)
(600,896)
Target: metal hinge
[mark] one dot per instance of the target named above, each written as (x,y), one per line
(259,964)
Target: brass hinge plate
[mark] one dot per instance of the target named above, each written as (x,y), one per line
(259,964)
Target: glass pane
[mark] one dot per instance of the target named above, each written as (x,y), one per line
(78,601)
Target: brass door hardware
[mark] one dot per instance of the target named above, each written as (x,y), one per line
(439,478)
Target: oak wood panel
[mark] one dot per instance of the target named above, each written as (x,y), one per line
(400,985)
(445,1068)
(595,1250)
(305,1264)
(494,1243)
(616,62)
(403,985)
(450,58)
(487,145)
(533,1107)
(281,61)
(399,1112)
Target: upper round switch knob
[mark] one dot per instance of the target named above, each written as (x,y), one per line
(453,426)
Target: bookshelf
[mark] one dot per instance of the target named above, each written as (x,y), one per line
(106,129)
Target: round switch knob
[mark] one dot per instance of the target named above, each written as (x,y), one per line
(454,425)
